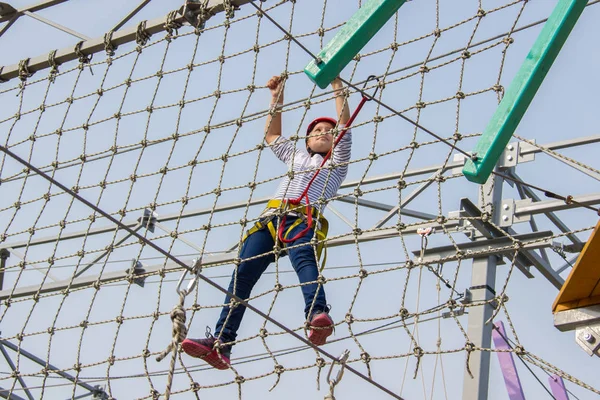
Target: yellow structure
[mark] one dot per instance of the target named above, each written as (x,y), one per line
(582,287)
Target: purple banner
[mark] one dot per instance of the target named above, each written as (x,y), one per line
(507,363)
(558,388)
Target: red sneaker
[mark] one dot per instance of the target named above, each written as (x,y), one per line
(321,327)
(204,349)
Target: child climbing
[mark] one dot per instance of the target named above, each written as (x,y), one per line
(292,218)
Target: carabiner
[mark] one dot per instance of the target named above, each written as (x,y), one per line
(371,97)
(195,268)
(342,361)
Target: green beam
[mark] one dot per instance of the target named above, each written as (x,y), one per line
(522,89)
(350,39)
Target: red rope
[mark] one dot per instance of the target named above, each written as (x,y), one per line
(297,201)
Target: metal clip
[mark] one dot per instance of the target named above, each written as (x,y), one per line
(196,268)
(333,382)
(424,233)
(371,97)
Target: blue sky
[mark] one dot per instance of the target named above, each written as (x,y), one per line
(564,108)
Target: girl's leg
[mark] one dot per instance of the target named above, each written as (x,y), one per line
(305,264)
(248,273)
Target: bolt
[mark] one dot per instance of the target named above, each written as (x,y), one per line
(504,218)
(511,147)
(505,207)
(510,158)
(588,337)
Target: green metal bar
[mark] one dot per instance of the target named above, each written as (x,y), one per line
(350,39)
(522,89)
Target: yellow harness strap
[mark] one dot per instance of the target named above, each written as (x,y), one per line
(321,232)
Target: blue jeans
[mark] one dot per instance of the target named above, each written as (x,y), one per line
(248,272)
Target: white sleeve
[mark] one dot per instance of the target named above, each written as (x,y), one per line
(283,149)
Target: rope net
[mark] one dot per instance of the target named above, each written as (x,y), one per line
(166,135)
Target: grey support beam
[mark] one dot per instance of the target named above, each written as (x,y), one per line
(589,173)
(107,252)
(56,26)
(585,321)
(72,235)
(409,198)
(532,223)
(130,15)
(527,148)
(96,45)
(551,216)
(489,231)
(21,256)
(4,254)
(13,367)
(4,393)
(579,317)
(207,262)
(501,247)
(544,268)
(33,8)
(83,281)
(567,264)
(526,208)
(483,282)
(49,366)
(8,25)
(350,199)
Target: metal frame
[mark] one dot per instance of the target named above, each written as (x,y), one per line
(523,209)
(483,280)
(40,5)
(13,15)
(97,45)
(585,321)
(94,390)
(130,15)
(13,367)
(484,268)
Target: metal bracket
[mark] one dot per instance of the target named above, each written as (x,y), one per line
(588,338)
(467,297)
(100,394)
(508,215)
(458,160)
(148,220)
(512,155)
(6,9)
(457,313)
(580,317)
(466,227)
(137,268)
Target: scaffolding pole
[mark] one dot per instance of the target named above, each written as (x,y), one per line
(483,278)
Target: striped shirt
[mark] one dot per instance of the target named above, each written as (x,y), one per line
(303,167)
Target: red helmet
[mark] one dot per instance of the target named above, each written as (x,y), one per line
(311,126)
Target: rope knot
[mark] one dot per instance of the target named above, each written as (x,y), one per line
(403,313)
(418,352)
(365,357)
(179,329)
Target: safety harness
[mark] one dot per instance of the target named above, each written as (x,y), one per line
(305,214)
